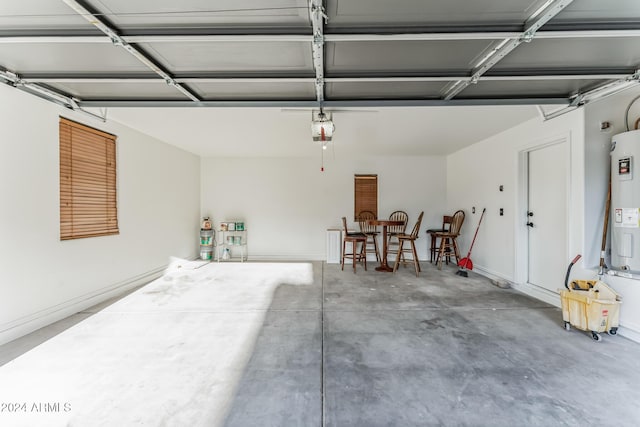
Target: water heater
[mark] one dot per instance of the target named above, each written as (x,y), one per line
(625,202)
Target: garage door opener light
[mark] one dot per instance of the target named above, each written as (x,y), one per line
(322,127)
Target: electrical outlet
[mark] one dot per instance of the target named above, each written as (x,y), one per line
(501,212)
(501,188)
(473,210)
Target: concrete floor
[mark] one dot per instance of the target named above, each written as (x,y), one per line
(21,345)
(382,349)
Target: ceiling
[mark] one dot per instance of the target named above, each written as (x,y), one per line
(147,58)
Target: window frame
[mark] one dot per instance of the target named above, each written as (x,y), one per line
(365,194)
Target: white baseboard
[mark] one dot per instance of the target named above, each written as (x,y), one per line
(490,274)
(32,322)
(526,288)
(630,331)
(544,295)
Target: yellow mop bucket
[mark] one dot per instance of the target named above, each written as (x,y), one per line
(590,305)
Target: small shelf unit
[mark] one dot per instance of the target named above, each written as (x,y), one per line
(233,243)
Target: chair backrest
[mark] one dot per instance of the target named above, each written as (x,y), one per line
(344,225)
(365,227)
(416,227)
(398,216)
(456,223)
(446,222)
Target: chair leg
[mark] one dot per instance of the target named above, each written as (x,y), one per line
(364,254)
(455,250)
(432,248)
(447,250)
(354,247)
(391,243)
(415,257)
(440,254)
(401,253)
(355,255)
(375,246)
(398,255)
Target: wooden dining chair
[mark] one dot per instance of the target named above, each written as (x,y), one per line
(448,239)
(433,244)
(354,238)
(369,230)
(393,244)
(411,240)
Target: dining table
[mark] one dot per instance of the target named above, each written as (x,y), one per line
(384,223)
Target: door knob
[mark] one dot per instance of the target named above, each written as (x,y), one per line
(530,224)
(529,213)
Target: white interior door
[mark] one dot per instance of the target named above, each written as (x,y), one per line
(547,216)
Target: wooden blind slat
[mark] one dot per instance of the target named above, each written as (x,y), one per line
(88,204)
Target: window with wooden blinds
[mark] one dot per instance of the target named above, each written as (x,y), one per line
(88,205)
(366,195)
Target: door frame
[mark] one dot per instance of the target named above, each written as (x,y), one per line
(521,268)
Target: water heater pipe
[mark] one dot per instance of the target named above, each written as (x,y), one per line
(626,114)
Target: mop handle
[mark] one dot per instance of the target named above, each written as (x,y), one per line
(566,278)
(476,233)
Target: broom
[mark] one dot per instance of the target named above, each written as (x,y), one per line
(466,263)
(605,227)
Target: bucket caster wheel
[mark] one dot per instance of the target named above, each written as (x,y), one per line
(613,331)
(596,336)
(567,326)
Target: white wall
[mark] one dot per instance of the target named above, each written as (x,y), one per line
(475,174)
(597,160)
(45,279)
(287,203)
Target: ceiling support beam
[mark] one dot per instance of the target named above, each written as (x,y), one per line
(318,16)
(271,38)
(507,45)
(117,40)
(153,80)
(479,35)
(329,104)
(310,80)
(577,34)
(530,77)
(594,94)
(607,89)
(14,80)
